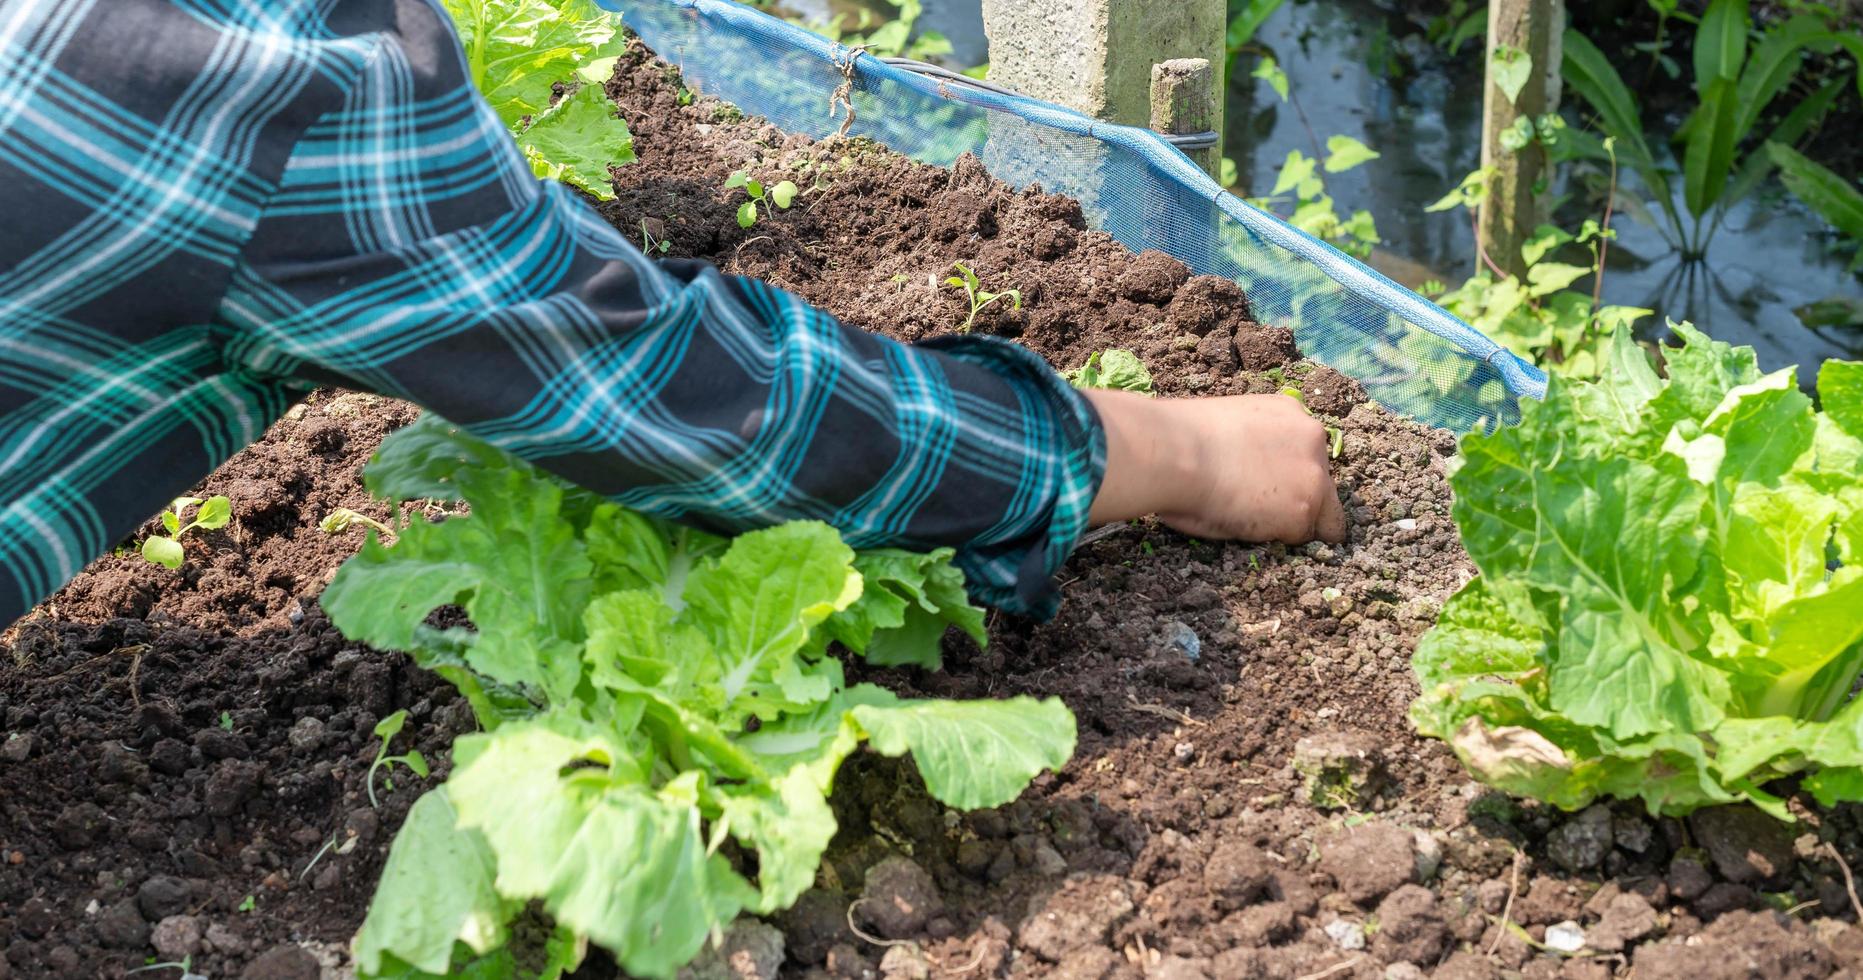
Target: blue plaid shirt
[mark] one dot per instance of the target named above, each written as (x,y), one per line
(209,207)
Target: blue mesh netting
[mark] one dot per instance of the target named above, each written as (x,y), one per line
(1411,356)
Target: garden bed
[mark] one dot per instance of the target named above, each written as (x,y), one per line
(185,752)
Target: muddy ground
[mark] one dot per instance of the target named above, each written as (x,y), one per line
(181,773)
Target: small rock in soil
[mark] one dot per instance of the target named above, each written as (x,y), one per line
(1740,945)
(218,743)
(163,896)
(283,963)
(1369,861)
(751,950)
(1565,937)
(1429,855)
(224,940)
(121,926)
(1688,879)
(1747,846)
(78,825)
(169,757)
(1237,874)
(1581,843)
(1403,971)
(1177,639)
(899,898)
(905,963)
(1466,966)
(1082,913)
(1633,834)
(1340,769)
(307,734)
(233,782)
(18,748)
(1260,925)
(120,765)
(1546,901)
(1178,968)
(815,924)
(177,937)
(36,917)
(1410,926)
(1627,919)
(1349,936)
(1092,963)
(1723,898)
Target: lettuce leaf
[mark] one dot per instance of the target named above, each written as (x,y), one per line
(518,51)
(648,691)
(1669,605)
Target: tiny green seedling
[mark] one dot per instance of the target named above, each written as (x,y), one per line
(649,242)
(781,196)
(967,281)
(1335,436)
(386,730)
(186,966)
(212,515)
(249,903)
(342,519)
(226,721)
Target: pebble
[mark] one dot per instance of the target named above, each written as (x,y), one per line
(177,937)
(1182,640)
(1184,751)
(306,734)
(18,748)
(1403,971)
(1581,843)
(1566,937)
(1349,936)
(1405,524)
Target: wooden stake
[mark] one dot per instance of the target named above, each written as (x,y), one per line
(1183,102)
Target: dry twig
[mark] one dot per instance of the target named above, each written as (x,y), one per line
(1850,882)
(1513,888)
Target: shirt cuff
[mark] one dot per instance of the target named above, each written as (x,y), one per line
(1017,574)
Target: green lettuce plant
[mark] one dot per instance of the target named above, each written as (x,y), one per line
(1670,604)
(648,692)
(518,51)
(1118,369)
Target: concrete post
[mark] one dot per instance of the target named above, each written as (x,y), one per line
(1096,56)
(1183,101)
(1512,209)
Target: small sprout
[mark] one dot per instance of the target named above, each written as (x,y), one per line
(1116,369)
(685,96)
(226,720)
(1336,445)
(761,200)
(967,281)
(249,903)
(653,242)
(212,515)
(186,966)
(342,519)
(1295,393)
(386,730)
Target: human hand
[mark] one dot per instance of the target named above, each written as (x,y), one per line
(1249,467)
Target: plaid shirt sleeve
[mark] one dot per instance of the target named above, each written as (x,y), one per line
(364,220)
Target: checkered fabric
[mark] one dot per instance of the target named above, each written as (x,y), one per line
(209,207)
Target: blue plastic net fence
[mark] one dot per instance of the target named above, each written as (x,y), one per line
(1411,356)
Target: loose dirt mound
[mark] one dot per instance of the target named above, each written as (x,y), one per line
(1248,799)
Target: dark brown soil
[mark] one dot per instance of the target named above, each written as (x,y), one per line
(1180,843)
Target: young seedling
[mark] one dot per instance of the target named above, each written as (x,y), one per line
(650,243)
(342,519)
(212,515)
(1335,436)
(249,903)
(226,721)
(386,730)
(967,281)
(781,196)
